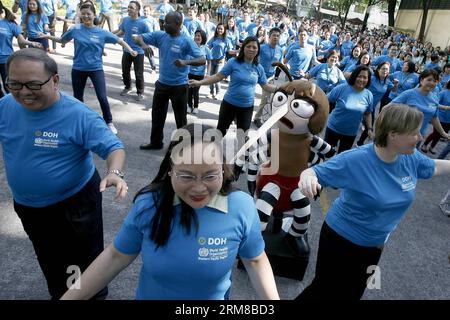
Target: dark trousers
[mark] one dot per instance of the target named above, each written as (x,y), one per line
(333,138)
(365,132)
(50,21)
(67,233)
(341,268)
(193,92)
(3,75)
(151,57)
(97,77)
(435,135)
(44,42)
(138,64)
(163,93)
(229,112)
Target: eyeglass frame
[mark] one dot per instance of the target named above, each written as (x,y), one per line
(27,84)
(195,178)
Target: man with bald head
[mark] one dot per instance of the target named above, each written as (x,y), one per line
(177,52)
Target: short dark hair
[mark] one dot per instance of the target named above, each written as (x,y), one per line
(429,72)
(274,29)
(138,6)
(34,54)
(246,41)
(203,35)
(356,72)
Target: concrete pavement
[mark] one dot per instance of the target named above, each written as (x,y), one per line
(414,265)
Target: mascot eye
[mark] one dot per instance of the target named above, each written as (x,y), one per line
(279,98)
(302,108)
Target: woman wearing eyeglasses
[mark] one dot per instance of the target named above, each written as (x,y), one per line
(10,29)
(189,225)
(89,42)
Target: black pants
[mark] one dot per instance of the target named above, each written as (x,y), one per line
(138,64)
(229,112)
(3,75)
(333,138)
(341,268)
(193,92)
(435,135)
(67,233)
(163,93)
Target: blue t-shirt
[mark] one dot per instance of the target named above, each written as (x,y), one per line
(325,47)
(243,79)
(172,48)
(34,27)
(406,81)
(193,25)
(105,6)
(8,30)
(268,55)
(152,24)
(347,63)
(242,26)
(71,8)
(47,153)
(444,80)
(232,36)
(375,195)
(89,45)
(314,40)
(200,70)
(130,27)
(379,88)
(427,104)
(350,107)
(346,48)
(300,58)
(49,6)
(444,99)
(327,78)
(219,47)
(195,266)
(163,9)
(396,64)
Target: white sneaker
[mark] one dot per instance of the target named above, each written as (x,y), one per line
(125,92)
(194,110)
(111,126)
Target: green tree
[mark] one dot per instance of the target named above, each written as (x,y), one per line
(342,7)
(369,3)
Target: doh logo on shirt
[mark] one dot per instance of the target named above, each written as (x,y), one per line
(4,31)
(46,139)
(407,183)
(175,48)
(46,134)
(212,249)
(94,38)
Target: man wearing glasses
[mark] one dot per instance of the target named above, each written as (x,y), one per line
(391,57)
(47,138)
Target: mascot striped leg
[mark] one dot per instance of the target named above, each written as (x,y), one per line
(267,200)
(297,238)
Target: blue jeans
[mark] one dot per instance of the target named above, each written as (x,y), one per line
(97,77)
(215,65)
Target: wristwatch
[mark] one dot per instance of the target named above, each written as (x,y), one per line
(117,172)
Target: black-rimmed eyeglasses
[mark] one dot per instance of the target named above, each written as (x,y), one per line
(12,85)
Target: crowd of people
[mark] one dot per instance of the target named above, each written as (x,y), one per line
(381,84)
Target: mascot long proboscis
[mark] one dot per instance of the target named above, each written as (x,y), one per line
(299,113)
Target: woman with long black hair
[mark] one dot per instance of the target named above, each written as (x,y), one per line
(245,72)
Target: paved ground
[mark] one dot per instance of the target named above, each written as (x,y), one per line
(414,265)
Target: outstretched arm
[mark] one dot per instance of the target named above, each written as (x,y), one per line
(101,272)
(261,277)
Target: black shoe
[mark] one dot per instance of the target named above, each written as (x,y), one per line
(298,246)
(258,123)
(151,146)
